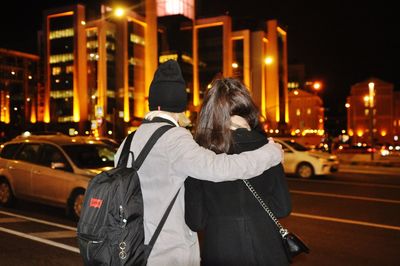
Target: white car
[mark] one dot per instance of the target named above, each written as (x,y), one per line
(51,169)
(304,162)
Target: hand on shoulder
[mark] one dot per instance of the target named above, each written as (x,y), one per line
(275,148)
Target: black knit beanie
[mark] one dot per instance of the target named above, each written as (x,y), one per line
(168,89)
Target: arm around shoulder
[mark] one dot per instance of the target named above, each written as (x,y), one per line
(189,159)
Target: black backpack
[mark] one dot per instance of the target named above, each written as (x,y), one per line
(110,229)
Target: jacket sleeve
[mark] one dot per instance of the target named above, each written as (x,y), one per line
(278,200)
(195,209)
(189,159)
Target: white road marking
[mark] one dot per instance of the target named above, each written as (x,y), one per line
(39,221)
(346,221)
(38,239)
(371,170)
(344,196)
(55,234)
(41,236)
(343,183)
(12,220)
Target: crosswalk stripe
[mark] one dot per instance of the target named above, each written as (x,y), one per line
(42,240)
(346,221)
(344,196)
(11,220)
(55,234)
(39,221)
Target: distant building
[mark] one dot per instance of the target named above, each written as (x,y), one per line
(296,76)
(306,113)
(18,88)
(306,108)
(383,117)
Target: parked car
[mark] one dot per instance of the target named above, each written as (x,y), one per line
(109,141)
(304,162)
(51,169)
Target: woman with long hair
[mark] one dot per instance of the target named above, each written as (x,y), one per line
(234,228)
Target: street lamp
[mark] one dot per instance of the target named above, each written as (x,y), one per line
(317,86)
(119,12)
(268,60)
(371,96)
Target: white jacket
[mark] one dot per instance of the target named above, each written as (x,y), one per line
(173,158)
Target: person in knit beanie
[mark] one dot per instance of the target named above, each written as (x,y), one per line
(173,158)
(167,92)
(168,89)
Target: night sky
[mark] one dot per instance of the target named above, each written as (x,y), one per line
(340,42)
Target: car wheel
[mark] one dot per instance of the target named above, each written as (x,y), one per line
(6,194)
(75,203)
(305,170)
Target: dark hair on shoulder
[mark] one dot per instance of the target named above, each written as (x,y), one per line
(227,97)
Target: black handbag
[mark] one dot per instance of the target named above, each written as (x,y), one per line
(292,244)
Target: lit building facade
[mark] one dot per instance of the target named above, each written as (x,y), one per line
(277,76)
(66,98)
(94,69)
(98,68)
(257,57)
(18,88)
(115,70)
(379,113)
(306,113)
(296,76)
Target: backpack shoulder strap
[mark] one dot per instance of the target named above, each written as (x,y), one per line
(160,226)
(163,219)
(123,158)
(149,145)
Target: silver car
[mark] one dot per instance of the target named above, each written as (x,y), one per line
(51,169)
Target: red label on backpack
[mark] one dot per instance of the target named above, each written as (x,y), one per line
(95,203)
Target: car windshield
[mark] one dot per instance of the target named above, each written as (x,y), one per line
(296,146)
(90,155)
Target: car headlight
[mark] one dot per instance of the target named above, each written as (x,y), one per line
(318,157)
(332,158)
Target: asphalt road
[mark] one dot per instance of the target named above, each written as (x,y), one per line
(346,219)
(351,219)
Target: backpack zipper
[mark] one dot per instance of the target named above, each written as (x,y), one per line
(122,216)
(122,245)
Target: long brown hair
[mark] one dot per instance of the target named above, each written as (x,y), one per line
(227,97)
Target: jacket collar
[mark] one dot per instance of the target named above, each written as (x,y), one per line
(158,117)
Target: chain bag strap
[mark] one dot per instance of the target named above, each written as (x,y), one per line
(292,244)
(282,230)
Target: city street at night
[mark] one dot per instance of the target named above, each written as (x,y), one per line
(78,77)
(346,219)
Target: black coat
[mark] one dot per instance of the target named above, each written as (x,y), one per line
(233,227)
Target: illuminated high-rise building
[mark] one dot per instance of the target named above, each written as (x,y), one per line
(260,58)
(276,75)
(18,88)
(99,63)
(66,98)
(94,68)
